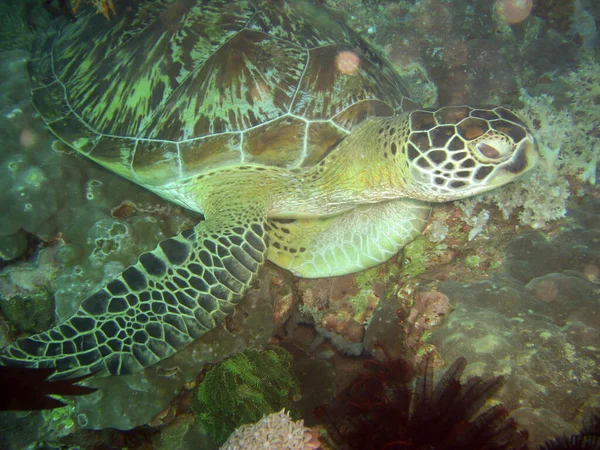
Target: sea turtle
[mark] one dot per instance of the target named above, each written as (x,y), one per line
(284,128)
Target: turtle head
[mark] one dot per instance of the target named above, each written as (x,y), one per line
(456,152)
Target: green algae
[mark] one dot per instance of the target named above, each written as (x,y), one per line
(59,421)
(486,344)
(414,257)
(472,262)
(243,388)
(29,314)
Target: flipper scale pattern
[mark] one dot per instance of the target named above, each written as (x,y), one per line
(169,298)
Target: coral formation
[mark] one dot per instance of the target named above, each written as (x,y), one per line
(273,431)
(569,143)
(568,136)
(243,388)
(536,323)
(341,307)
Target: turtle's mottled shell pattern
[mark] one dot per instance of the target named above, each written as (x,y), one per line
(169,89)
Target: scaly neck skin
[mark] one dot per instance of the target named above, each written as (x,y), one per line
(356,172)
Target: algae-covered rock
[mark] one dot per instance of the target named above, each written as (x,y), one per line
(536,324)
(32,314)
(13,246)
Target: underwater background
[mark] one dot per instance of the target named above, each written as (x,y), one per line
(509,280)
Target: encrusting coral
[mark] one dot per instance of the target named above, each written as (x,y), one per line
(275,431)
(568,136)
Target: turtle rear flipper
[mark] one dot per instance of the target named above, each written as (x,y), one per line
(170,297)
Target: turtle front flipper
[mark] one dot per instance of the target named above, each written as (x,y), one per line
(349,242)
(170,297)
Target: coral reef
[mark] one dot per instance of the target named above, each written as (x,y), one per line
(273,431)
(568,140)
(339,307)
(567,136)
(463,48)
(536,323)
(381,410)
(243,388)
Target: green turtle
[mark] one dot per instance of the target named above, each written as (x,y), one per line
(297,142)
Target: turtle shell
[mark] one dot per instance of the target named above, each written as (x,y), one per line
(167,90)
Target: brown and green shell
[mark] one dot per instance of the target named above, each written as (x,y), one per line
(169,89)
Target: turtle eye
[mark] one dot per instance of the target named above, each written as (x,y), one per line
(488,151)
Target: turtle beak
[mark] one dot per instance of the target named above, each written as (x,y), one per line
(525,157)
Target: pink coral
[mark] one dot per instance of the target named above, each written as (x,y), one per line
(275,431)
